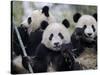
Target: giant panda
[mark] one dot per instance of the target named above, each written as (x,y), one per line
(32,22)
(48,55)
(31,28)
(29,42)
(35,23)
(31,31)
(84,40)
(85,33)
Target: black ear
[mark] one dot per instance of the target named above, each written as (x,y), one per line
(29,20)
(45,10)
(44,24)
(76,17)
(66,23)
(95,16)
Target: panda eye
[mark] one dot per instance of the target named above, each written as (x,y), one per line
(93,28)
(84,26)
(50,38)
(60,35)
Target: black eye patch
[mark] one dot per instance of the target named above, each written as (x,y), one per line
(50,38)
(60,35)
(29,20)
(93,28)
(84,26)
(44,24)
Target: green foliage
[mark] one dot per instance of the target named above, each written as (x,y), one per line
(17,12)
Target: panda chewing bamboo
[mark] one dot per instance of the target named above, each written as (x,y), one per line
(48,55)
(84,40)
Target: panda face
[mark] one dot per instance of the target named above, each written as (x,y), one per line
(89,31)
(34,20)
(55,35)
(88,24)
(56,40)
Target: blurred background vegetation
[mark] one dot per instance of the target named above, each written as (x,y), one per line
(21,9)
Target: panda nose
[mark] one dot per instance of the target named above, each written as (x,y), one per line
(57,43)
(89,34)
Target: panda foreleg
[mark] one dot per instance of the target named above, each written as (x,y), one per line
(40,65)
(60,63)
(76,42)
(41,61)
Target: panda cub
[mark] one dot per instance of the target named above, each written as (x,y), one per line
(48,55)
(36,24)
(35,38)
(85,34)
(31,28)
(32,22)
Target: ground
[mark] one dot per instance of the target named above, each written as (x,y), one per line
(88,59)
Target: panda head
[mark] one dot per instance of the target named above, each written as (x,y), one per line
(55,35)
(88,23)
(34,20)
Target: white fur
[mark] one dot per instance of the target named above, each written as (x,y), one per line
(88,21)
(55,28)
(37,17)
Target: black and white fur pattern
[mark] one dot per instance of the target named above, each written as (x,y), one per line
(33,21)
(31,28)
(55,35)
(35,38)
(49,52)
(85,34)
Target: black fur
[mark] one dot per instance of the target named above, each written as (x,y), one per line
(76,17)
(34,40)
(45,10)
(16,48)
(93,28)
(15,42)
(43,57)
(44,24)
(95,16)
(60,35)
(66,23)
(79,37)
(67,53)
(76,40)
(29,20)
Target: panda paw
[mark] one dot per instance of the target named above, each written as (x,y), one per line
(28,59)
(79,31)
